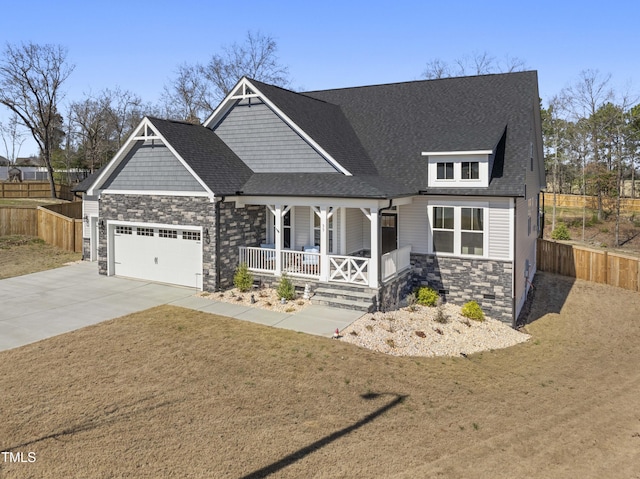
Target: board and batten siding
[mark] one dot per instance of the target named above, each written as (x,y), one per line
(263,141)
(414,227)
(152,168)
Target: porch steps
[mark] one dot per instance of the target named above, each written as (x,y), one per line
(346,297)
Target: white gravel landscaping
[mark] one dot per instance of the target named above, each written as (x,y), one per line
(415,332)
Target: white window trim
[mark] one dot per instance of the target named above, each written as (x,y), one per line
(457,227)
(457,160)
(331,219)
(271,225)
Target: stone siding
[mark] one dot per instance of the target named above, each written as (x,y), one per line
(170,210)
(488,282)
(394,291)
(238,227)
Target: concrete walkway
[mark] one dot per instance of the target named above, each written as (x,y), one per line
(41,305)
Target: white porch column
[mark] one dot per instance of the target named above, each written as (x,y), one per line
(278,238)
(374,262)
(324,244)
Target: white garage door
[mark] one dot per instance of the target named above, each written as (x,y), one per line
(163,254)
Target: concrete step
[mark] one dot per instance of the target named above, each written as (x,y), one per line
(344,303)
(346,297)
(355,295)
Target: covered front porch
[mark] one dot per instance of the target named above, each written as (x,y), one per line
(352,241)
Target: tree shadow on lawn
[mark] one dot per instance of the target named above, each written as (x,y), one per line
(315,446)
(548,295)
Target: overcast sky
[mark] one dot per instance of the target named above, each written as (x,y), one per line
(330,44)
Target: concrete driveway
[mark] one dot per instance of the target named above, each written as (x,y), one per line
(40,305)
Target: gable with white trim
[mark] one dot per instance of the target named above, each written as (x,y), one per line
(266,143)
(150,166)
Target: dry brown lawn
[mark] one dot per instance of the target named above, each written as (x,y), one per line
(171,392)
(25,254)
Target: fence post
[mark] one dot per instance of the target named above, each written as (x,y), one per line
(606,268)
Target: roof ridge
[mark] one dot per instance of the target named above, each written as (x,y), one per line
(409,82)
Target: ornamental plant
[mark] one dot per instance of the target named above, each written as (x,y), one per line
(285,288)
(472,310)
(243,279)
(426,296)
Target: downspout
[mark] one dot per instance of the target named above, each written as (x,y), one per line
(513,269)
(379,258)
(217,239)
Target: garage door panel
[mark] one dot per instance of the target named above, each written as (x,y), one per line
(158,254)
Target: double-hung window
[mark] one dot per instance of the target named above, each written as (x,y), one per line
(470,170)
(472,231)
(445,171)
(458,230)
(443,229)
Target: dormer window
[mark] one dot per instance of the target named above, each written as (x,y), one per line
(470,170)
(464,169)
(445,171)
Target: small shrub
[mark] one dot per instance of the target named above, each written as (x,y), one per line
(441,316)
(472,310)
(285,288)
(391,343)
(353,333)
(421,334)
(243,279)
(290,310)
(561,233)
(369,328)
(427,296)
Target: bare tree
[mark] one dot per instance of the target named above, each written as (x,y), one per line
(125,110)
(583,99)
(256,58)
(31,77)
(478,63)
(90,122)
(187,95)
(12,137)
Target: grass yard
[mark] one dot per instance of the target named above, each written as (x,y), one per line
(25,254)
(170,392)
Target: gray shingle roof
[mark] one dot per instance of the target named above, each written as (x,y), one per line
(378,133)
(209,157)
(396,122)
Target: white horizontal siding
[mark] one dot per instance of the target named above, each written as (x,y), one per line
(354,228)
(500,215)
(413,225)
(90,208)
(302,217)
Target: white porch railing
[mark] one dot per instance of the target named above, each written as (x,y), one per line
(349,269)
(261,260)
(396,261)
(294,263)
(301,263)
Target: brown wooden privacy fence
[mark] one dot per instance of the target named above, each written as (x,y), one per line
(577,201)
(18,221)
(34,189)
(592,265)
(58,225)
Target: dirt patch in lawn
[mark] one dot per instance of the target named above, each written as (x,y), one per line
(25,254)
(171,392)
